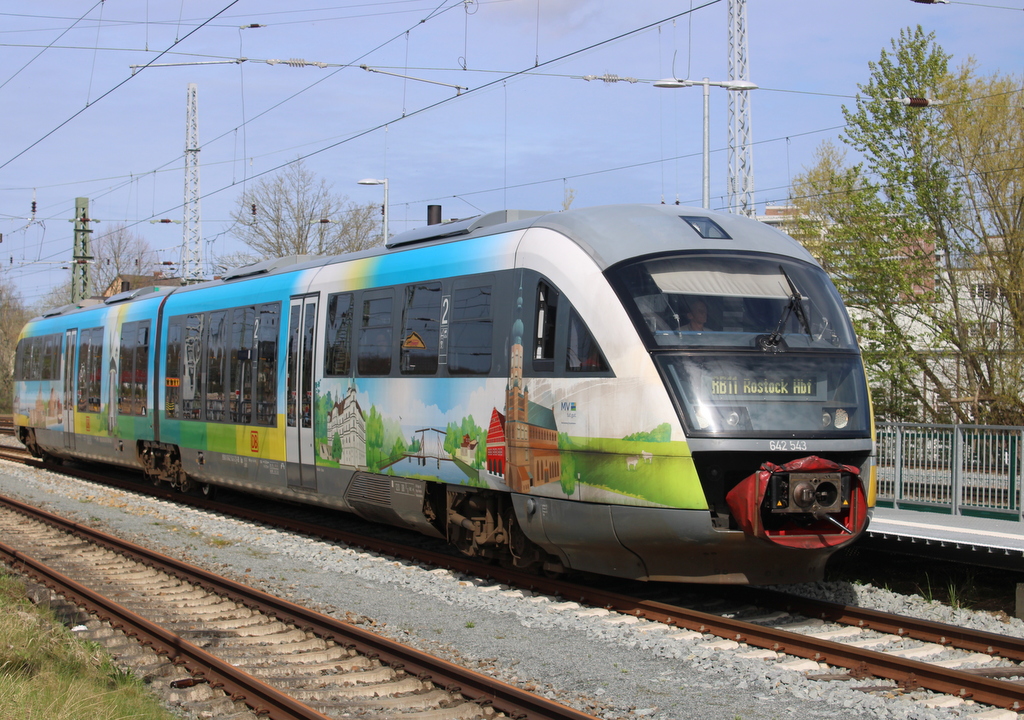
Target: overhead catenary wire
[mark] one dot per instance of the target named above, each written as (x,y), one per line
(105,94)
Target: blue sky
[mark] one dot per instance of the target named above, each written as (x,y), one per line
(76,121)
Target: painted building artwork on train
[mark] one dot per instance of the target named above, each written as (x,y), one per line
(529,440)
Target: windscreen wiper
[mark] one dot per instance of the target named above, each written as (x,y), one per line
(795,305)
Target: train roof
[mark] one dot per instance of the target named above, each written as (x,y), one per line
(613,233)
(610,234)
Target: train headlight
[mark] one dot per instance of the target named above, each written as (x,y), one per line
(826,419)
(733,419)
(842,418)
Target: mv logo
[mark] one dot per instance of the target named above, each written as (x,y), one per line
(254,441)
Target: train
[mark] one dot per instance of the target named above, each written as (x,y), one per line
(652,392)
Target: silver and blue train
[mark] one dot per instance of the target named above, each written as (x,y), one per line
(650,392)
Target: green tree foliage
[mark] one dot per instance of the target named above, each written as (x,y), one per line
(336,448)
(568,462)
(455,432)
(375,458)
(662,433)
(923,235)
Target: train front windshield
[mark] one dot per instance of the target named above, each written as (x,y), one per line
(750,345)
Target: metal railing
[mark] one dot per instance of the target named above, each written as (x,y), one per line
(953,469)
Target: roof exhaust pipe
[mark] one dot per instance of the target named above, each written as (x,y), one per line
(433,214)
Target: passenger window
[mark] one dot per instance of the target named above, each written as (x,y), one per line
(36,369)
(215,366)
(243,326)
(266,371)
(141,375)
(90,369)
(338,343)
(582,352)
(544,335)
(172,376)
(19,359)
(469,346)
(420,327)
(191,381)
(293,364)
(375,336)
(51,362)
(126,369)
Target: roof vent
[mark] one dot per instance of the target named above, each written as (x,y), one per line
(461,227)
(265,266)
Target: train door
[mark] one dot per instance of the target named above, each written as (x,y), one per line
(300,445)
(70,348)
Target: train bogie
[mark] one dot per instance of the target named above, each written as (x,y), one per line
(520,384)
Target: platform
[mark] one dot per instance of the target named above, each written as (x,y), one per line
(980,541)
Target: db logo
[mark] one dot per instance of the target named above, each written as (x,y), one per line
(254,441)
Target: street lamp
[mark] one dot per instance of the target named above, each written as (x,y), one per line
(384,182)
(734,85)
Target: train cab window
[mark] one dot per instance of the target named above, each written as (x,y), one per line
(172,376)
(420,329)
(582,353)
(267,328)
(243,341)
(469,346)
(338,342)
(90,369)
(375,331)
(544,335)
(215,366)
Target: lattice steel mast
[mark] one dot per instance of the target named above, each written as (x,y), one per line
(192,241)
(741,158)
(81,257)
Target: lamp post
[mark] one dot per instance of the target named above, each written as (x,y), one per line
(734,85)
(384,182)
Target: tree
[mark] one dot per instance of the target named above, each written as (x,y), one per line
(116,253)
(119,252)
(921,236)
(13,315)
(284,215)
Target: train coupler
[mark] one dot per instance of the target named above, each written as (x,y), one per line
(806,503)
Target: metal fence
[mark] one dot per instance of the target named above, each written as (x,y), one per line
(953,469)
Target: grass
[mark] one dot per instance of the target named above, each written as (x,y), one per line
(953,584)
(48,674)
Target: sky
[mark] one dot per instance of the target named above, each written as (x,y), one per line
(474,105)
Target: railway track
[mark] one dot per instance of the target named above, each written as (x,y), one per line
(280,659)
(826,641)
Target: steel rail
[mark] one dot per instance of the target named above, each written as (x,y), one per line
(478,687)
(259,696)
(860,662)
(1011,648)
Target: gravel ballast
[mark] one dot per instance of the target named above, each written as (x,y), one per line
(599,662)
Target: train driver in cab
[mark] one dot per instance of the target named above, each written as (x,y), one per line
(697,316)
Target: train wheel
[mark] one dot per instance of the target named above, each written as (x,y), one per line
(208,491)
(50,459)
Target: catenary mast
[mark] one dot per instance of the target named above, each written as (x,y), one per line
(741,159)
(192,241)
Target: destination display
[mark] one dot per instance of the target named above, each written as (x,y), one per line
(758,385)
